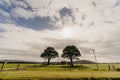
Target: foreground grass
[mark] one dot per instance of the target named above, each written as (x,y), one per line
(36,71)
(58,74)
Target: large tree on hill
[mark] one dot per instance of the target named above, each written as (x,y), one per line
(49,53)
(71,52)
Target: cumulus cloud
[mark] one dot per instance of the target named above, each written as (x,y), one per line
(29,26)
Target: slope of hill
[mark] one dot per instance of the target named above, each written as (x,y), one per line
(84,62)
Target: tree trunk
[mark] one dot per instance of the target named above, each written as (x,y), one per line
(71,62)
(48,63)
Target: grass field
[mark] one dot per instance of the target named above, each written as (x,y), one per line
(82,71)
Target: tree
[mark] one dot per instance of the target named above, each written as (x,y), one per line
(49,53)
(71,52)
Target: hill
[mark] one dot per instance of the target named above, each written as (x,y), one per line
(84,62)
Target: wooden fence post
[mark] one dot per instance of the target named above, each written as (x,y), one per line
(3,65)
(18,66)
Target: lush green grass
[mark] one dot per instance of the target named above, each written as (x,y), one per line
(102,66)
(14,65)
(81,66)
(36,71)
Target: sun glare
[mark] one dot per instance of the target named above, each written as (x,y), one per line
(66,32)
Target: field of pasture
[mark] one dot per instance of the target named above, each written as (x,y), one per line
(53,72)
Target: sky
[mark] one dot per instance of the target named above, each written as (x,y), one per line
(27,27)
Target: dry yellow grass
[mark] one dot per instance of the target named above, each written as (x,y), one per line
(58,74)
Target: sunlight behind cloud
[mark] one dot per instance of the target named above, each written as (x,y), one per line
(67,32)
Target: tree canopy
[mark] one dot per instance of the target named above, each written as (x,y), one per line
(71,52)
(49,53)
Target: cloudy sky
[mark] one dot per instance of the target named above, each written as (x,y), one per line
(27,27)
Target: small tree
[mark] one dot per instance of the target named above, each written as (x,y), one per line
(71,52)
(49,53)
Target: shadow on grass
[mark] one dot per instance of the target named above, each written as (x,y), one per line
(75,67)
(79,67)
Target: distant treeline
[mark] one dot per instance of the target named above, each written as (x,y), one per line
(61,62)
